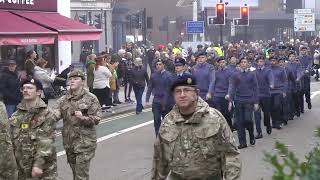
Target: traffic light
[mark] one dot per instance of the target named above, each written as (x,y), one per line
(165,24)
(244,19)
(221,15)
(135,20)
(83,19)
(98,21)
(149,22)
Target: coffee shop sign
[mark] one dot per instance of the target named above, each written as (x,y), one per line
(27,2)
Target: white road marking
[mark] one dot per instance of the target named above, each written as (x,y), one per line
(113,118)
(115,134)
(314,94)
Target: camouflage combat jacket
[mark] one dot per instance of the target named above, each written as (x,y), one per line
(33,137)
(200,148)
(8,166)
(79,135)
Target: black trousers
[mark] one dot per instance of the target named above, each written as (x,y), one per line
(298,102)
(277,109)
(221,104)
(103,96)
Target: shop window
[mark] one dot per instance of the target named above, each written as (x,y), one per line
(19,54)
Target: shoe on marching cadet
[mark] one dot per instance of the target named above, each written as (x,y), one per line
(309,106)
(241,146)
(259,136)
(269,129)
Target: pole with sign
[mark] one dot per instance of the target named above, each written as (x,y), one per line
(304,20)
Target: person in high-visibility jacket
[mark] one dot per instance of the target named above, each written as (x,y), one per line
(218,50)
(177,49)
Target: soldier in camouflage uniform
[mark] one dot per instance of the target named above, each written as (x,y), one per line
(195,141)
(33,135)
(80,111)
(8,166)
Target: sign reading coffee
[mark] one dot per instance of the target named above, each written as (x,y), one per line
(29,5)
(30,2)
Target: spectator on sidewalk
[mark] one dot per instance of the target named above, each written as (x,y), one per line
(128,78)
(10,88)
(101,82)
(42,75)
(90,65)
(30,63)
(121,71)
(139,78)
(113,80)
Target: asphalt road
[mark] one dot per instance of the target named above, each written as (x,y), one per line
(126,145)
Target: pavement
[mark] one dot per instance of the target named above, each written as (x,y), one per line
(125,146)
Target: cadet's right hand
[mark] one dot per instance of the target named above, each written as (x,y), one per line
(256,107)
(36,172)
(227,97)
(208,97)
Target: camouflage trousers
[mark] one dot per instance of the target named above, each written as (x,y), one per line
(48,174)
(80,164)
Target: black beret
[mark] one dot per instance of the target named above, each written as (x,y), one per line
(282,46)
(220,58)
(271,50)
(184,80)
(291,52)
(260,57)
(34,82)
(180,61)
(199,46)
(201,53)
(273,57)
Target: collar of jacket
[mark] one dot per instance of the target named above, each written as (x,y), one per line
(201,109)
(36,109)
(76,96)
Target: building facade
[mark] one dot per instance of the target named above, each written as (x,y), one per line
(96,13)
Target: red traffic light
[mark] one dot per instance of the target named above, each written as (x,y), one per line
(244,10)
(220,7)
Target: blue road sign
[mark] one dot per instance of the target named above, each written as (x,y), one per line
(195,27)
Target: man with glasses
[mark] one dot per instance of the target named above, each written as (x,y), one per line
(33,135)
(194,141)
(159,85)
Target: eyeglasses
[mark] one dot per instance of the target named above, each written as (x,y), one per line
(184,91)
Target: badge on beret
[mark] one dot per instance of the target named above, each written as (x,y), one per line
(32,80)
(189,81)
(24,126)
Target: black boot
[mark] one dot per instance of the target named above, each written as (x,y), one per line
(269,129)
(241,146)
(259,136)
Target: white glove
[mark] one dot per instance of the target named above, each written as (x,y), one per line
(256,107)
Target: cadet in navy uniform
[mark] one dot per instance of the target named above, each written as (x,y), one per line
(181,67)
(306,62)
(159,85)
(294,83)
(244,92)
(277,92)
(287,100)
(265,82)
(219,88)
(203,73)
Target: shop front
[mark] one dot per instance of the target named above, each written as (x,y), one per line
(38,25)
